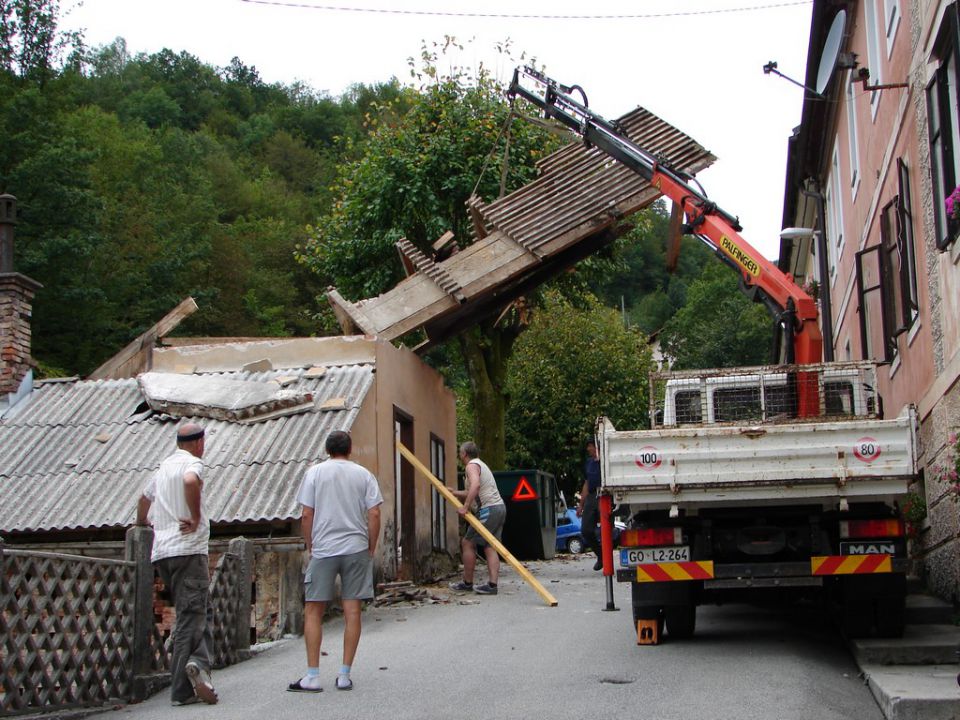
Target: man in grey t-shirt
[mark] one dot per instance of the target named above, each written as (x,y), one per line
(340,526)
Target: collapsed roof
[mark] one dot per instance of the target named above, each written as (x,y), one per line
(577,205)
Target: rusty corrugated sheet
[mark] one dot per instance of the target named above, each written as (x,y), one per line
(77,454)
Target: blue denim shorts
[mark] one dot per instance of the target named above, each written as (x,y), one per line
(492,517)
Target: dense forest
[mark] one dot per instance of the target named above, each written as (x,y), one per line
(142,179)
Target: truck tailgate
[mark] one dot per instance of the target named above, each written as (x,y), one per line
(802,461)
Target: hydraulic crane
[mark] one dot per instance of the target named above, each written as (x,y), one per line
(761,279)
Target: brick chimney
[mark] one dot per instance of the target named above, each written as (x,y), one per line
(16,296)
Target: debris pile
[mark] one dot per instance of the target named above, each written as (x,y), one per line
(391,593)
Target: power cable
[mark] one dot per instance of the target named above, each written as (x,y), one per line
(522,16)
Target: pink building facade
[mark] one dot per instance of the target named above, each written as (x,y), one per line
(870,171)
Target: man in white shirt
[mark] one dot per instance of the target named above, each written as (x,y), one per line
(340,526)
(171,502)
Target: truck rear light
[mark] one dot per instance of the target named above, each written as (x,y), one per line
(871,528)
(651,537)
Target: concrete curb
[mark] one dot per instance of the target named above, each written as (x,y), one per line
(912,692)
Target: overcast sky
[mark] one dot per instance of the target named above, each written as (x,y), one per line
(695,63)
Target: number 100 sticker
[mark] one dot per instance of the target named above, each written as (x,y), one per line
(866,449)
(648,458)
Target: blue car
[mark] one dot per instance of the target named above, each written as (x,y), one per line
(569,538)
(568,532)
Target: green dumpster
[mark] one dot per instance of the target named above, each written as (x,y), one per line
(530,530)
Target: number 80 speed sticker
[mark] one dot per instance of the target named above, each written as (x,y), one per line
(648,458)
(866,449)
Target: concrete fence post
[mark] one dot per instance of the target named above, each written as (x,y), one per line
(138,544)
(243,548)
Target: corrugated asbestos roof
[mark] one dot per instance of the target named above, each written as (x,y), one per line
(76,455)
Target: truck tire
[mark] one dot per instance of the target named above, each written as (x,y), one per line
(681,621)
(855,621)
(891,616)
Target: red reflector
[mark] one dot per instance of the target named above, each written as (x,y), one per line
(871,528)
(650,536)
(524,491)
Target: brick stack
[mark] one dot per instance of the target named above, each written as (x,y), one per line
(16,296)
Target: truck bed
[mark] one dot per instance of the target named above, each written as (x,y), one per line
(802,462)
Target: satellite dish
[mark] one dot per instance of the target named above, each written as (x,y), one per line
(831,51)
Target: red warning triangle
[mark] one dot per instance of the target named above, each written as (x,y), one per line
(524,491)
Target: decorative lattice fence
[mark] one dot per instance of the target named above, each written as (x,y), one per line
(78,631)
(67,630)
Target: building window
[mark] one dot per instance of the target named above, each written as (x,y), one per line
(873,52)
(871,290)
(906,252)
(944,130)
(891,22)
(834,213)
(852,138)
(438,505)
(887,278)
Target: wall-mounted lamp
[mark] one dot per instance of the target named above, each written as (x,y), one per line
(819,250)
(797,233)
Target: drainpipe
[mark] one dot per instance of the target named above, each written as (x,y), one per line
(823,269)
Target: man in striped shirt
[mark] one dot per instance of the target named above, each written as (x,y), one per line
(171,502)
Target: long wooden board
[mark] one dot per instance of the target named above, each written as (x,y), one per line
(478,526)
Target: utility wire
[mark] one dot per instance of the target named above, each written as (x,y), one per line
(522,16)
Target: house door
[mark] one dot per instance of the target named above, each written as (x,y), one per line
(405,498)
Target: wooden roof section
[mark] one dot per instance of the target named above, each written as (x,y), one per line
(576,206)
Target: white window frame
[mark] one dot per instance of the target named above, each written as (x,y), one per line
(854,150)
(873,54)
(891,22)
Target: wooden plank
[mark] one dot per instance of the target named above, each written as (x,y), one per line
(137,354)
(349,315)
(478,526)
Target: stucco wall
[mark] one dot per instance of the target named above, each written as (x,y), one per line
(405,383)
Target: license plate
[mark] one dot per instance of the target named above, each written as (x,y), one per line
(630,557)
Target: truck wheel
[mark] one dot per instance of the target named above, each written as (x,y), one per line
(681,620)
(891,617)
(575,546)
(855,621)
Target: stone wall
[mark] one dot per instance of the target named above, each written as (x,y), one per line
(941,534)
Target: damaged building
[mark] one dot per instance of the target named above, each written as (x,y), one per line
(75,454)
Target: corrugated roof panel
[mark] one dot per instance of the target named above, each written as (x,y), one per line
(55,475)
(92,402)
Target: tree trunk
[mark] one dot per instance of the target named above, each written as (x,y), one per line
(486,352)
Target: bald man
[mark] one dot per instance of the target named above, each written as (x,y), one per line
(171,502)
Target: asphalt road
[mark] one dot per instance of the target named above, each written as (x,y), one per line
(512,656)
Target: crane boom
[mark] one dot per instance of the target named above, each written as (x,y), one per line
(712,225)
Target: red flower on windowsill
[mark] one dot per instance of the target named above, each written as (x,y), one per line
(953,204)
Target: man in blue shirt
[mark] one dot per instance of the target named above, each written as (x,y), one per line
(587,509)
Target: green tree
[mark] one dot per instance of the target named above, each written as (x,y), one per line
(412,179)
(30,46)
(573,364)
(719,326)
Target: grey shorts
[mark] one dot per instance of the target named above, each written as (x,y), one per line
(356,577)
(492,517)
